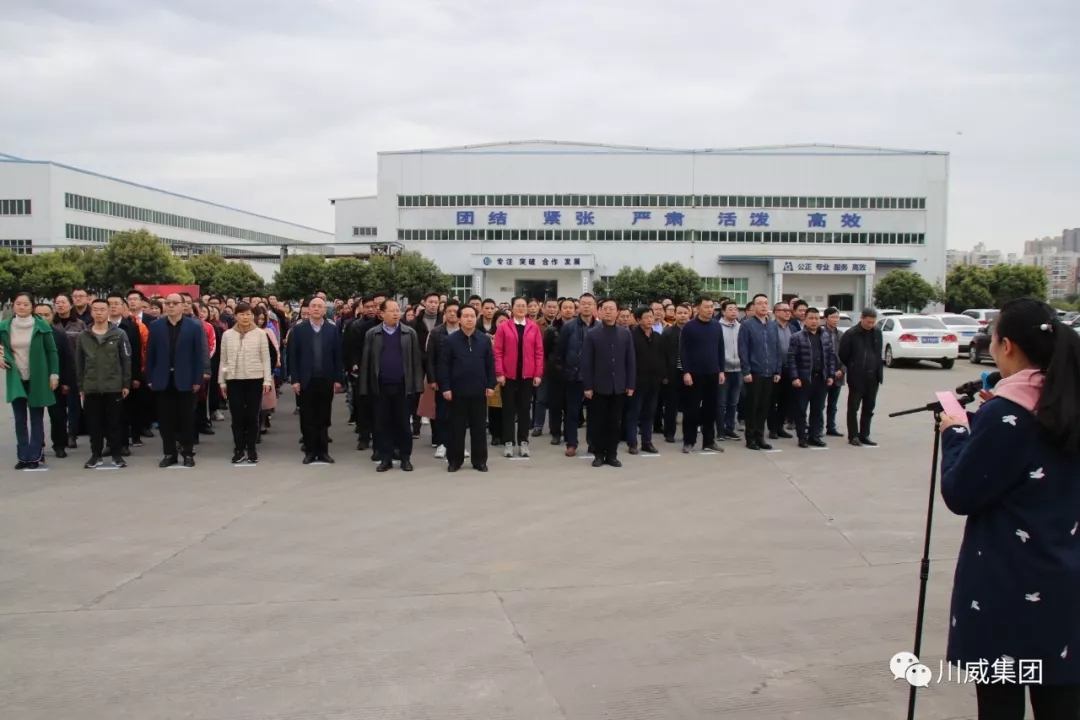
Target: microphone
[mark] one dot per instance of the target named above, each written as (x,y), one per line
(986,382)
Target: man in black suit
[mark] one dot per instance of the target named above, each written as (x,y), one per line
(466,377)
(608,373)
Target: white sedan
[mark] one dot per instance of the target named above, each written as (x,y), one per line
(918,337)
(964,326)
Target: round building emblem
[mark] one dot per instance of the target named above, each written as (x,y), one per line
(487,261)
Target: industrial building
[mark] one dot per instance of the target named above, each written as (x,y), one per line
(46,205)
(549,219)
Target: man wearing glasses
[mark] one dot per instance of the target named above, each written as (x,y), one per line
(175,352)
(783,397)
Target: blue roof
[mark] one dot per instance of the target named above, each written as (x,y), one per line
(4,157)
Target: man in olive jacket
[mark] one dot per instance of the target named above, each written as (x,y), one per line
(103,368)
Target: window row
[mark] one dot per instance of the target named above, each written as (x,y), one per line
(155,217)
(734,201)
(19,247)
(364,231)
(15,207)
(845,238)
(102,235)
(737,289)
(461,287)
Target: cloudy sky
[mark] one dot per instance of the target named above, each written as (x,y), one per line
(275,106)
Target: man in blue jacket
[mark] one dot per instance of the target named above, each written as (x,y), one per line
(316,369)
(466,377)
(759,356)
(176,348)
(701,362)
(811,364)
(608,376)
(568,353)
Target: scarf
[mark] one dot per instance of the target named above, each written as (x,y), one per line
(1022,388)
(22,333)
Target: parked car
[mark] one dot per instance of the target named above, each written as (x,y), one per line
(917,337)
(845,323)
(1071,317)
(890,312)
(984,316)
(979,349)
(965,327)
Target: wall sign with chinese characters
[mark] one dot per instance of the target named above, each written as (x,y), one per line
(531,261)
(655,219)
(823,266)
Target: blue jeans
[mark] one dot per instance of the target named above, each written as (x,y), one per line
(830,410)
(727,403)
(575,396)
(540,413)
(640,413)
(29,448)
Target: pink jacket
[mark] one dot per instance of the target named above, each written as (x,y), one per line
(506,347)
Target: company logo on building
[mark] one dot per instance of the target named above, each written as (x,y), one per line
(487,261)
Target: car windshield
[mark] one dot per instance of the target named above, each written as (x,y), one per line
(921,323)
(845,322)
(959,320)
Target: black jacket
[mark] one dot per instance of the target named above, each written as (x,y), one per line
(669,341)
(466,364)
(436,341)
(861,354)
(649,359)
(608,365)
(131,329)
(67,359)
(352,341)
(552,363)
(422,333)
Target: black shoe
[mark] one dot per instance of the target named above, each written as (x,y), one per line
(119,462)
(480,468)
(670,439)
(817,442)
(784,434)
(732,436)
(854,441)
(362,444)
(537,432)
(167,461)
(189,461)
(308,459)
(32,465)
(803,443)
(453,468)
(613,462)
(406,466)
(253,457)
(687,449)
(72,444)
(752,445)
(60,453)
(591,450)
(598,462)
(383,467)
(764,445)
(495,442)
(238,457)
(649,448)
(324,458)
(867,441)
(207,431)
(834,433)
(773,436)
(21,465)
(633,450)
(556,440)
(148,433)
(136,444)
(95,461)
(713,447)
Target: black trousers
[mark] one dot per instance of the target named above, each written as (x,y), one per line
(700,409)
(782,404)
(811,396)
(1007,701)
(393,426)
(758,395)
(605,423)
(467,413)
(104,419)
(365,414)
(58,420)
(556,404)
(245,402)
(133,414)
(316,402)
(861,400)
(516,398)
(176,420)
(672,395)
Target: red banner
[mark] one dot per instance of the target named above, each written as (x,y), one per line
(163,290)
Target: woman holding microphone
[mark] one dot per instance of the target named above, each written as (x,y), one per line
(1014,471)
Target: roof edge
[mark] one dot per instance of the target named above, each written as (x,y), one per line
(648,149)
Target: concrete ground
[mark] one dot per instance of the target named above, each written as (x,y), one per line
(741,585)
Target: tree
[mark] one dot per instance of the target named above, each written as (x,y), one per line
(204,267)
(51,274)
(904,290)
(91,262)
(233,279)
(345,277)
(1009,282)
(300,276)
(967,286)
(630,286)
(414,275)
(381,275)
(13,271)
(675,281)
(138,256)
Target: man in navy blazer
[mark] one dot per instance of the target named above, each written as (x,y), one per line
(316,368)
(608,376)
(175,349)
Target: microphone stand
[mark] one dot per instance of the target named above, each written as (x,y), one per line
(924,567)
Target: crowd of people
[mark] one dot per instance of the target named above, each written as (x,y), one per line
(123,367)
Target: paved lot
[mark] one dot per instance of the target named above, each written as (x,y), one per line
(742,585)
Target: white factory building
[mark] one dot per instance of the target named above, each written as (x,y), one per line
(46,205)
(550,218)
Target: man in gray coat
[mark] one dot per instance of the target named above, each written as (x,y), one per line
(392,374)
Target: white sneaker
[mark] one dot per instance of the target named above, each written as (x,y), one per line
(467,455)
(440,452)
(523,450)
(218,415)
(508,451)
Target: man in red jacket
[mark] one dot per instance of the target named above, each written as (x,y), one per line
(519,367)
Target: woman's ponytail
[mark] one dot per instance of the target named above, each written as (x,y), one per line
(1059,403)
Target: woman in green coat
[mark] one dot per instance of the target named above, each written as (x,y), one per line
(33,372)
